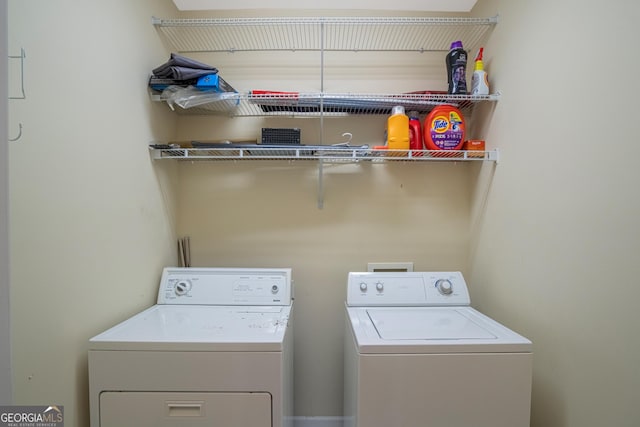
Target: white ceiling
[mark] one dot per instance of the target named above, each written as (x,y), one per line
(416,5)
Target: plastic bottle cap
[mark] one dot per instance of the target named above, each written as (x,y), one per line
(456,45)
(398,109)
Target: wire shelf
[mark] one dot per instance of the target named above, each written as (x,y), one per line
(418,34)
(398,34)
(322,33)
(329,154)
(327,104)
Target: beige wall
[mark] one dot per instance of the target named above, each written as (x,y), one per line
(90,226)
(555,249)
(547,237)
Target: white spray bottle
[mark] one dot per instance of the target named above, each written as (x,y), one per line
(479,81)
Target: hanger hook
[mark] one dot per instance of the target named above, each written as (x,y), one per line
(19,133)
(348,141)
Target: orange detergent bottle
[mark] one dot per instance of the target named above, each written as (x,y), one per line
(398,129)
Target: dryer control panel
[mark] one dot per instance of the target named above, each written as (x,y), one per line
(225,286)
(418,288)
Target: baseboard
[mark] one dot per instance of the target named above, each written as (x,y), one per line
(317,421)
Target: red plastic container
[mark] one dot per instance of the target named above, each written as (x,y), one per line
(415,132)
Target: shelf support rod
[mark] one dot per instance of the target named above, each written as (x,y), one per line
(322,83)
(320,184)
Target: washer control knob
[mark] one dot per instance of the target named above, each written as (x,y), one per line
(182,287)
(363,286)
(380,286)
(274,289)
(444,286)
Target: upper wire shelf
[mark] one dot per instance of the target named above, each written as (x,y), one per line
(293,104)
(418,34)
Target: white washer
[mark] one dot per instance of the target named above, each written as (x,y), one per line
(417,354)
(216,349)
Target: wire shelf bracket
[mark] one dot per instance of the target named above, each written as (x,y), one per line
(21,57)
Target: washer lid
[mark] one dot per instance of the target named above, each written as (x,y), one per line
(420,324)
(430,330)
(199,328)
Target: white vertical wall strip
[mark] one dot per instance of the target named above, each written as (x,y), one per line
(5,340)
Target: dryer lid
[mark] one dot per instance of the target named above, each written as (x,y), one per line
(199,327)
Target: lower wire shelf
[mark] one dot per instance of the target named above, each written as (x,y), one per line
(322,155)
(328,154)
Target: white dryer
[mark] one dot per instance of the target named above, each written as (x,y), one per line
(417,354)
(216,349)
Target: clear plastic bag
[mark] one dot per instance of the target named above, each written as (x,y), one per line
(189,97)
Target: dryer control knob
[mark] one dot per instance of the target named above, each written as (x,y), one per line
(363,286)
(380,286)
(274,289)
(182,287)
(444,286)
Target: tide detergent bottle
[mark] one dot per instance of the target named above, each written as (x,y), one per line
(444,128)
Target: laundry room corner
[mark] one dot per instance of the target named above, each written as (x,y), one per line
(5,306)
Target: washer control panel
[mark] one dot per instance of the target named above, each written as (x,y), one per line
(226,286)
(420,288)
